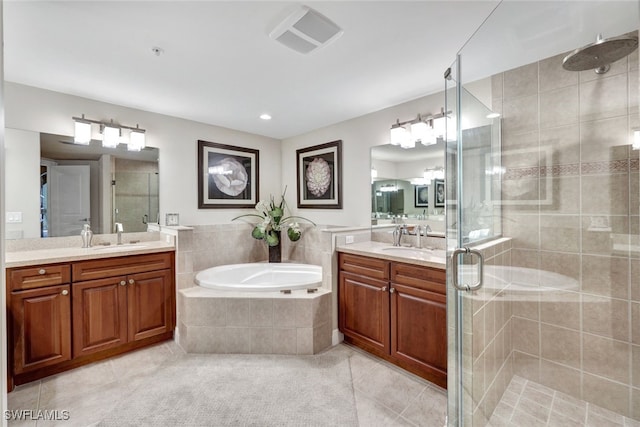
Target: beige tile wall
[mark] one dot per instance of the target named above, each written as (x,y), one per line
(566,142)
(490,311)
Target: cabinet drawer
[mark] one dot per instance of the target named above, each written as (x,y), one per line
(110,267)
(39,276)
(364,266)
(429,279)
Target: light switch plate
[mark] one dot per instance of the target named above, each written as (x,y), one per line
(14,217)
(349,239)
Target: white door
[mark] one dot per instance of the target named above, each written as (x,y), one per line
(69,199)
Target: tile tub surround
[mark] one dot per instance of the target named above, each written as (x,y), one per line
(566,142)
(254,322)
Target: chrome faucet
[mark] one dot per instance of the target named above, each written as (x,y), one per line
(418,237)
(119,231)
(427,230)
(397,235)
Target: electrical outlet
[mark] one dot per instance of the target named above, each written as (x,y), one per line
(349,239)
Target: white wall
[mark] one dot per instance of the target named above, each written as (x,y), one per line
(39,110)
(22,192)
(358,136)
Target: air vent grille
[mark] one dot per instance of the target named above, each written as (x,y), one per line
(306,30)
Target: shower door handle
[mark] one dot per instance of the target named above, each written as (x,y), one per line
(454,267)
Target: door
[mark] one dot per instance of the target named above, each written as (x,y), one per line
(476,319)
(149,304)
(69,199)
(418,324)
(41,327)
(364,311)
(99,315)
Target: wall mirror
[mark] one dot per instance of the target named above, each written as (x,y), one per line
(407,183)
(59,186)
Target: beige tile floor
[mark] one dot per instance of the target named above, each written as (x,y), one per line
(384,395)
(528,404)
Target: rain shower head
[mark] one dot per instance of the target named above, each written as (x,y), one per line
(599,55)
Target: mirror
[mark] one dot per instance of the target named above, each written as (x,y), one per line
(407,183)
(63,185)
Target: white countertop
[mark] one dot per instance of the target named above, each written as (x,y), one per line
(50,256)
(422,257)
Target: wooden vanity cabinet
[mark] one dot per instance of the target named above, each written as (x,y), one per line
(65,315)
(41,327)
(396,311)
(114,308)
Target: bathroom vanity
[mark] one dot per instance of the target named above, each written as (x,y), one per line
(395,308)
(69,307)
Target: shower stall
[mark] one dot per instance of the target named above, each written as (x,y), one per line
(543,211)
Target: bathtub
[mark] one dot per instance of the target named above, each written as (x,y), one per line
(261,277)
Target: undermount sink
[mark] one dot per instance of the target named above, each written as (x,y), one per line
(415,252)
(117,248)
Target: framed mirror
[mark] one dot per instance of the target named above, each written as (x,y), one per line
(403,182)
(59,186)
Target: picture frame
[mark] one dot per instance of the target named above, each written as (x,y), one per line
(439,193)
(228,176)
(319,176)
(421,196)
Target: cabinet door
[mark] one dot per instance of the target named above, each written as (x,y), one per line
(41,320)
(419,331)
(364,310)
(149,302)
(99,315)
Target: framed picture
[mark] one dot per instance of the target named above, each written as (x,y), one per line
(319,176)
(439,194)
(421,196)
(227,176)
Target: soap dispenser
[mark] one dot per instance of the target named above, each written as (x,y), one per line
(87,235)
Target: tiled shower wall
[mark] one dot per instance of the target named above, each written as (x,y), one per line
(571,204)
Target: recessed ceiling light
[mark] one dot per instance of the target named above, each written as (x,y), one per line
(265,116)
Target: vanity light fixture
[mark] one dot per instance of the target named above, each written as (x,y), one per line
(426,129)
(111,134)
(82,134)
(433,173)
(137,140)
(636,140)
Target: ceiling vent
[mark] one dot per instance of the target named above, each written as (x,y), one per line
(306,30)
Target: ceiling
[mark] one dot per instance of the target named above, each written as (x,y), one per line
(220,67)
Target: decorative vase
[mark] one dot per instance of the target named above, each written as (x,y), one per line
(275,253)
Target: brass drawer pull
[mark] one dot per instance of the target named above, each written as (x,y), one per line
(42,271)
(65,292)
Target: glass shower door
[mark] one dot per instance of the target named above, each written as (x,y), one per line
(549,195)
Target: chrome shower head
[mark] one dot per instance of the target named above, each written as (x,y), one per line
(599,55)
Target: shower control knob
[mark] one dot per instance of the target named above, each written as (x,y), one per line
(122,283)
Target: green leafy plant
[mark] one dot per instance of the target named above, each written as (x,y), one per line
(273,221)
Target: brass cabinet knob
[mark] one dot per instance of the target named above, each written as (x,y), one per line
(392,290)
(65,292)
(42,271)
(122,283)
(131,281)
(384,289)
